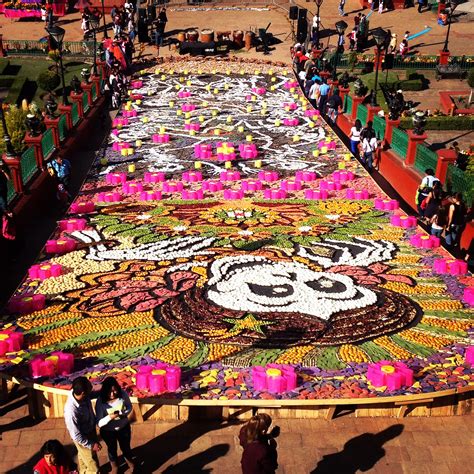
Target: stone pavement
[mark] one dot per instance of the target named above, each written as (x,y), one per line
(341,446)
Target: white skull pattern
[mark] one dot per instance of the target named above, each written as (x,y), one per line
(253,283)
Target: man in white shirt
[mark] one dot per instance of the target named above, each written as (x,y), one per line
(369,147)
(80,422)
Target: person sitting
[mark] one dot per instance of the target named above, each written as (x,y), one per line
(54,459)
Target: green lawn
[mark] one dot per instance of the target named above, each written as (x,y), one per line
(19,75)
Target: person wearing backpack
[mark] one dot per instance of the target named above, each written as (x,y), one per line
(424,190)
(334,104)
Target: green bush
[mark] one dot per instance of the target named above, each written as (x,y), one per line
(15,119)
(411,85)
(470,77)
(442,123)
(48,80)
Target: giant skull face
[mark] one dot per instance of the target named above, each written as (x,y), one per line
(252,283)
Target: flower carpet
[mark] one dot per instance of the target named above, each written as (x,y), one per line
(224,227)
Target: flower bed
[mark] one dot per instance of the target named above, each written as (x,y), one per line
(224,257)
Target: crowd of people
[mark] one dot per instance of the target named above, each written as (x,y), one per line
(445,214)
(110,421)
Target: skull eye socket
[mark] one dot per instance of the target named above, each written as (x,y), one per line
(271,291)
(326,285)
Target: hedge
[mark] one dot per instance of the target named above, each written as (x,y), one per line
(464,122)
(411,85)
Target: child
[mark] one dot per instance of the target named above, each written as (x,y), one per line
(260,455)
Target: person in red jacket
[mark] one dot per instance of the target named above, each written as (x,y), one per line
(260,453)
(54,459)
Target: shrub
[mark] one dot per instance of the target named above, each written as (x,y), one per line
(470,77)
(15,120)
(442,123)
(48,80)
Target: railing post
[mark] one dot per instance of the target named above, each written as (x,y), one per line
(67,110)
(78,99)
(445,158)
(53,124)
(372,110)
(96,80)
(35,142)
(356,101)
(87,88)
(390,125)
(413,141)
(15,167)
(343,91)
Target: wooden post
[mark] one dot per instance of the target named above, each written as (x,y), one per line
(53,124)
(413,141)
(35,142)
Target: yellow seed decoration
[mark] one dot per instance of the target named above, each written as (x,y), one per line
(350,353)
(394,349)
(294,354)
(179,349)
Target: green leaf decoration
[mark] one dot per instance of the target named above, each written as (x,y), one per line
(267,356)
(329,360)
(441,331)
(375,352)
(135,352)
(50,326)
(251,245)
(198,357)
(413,347)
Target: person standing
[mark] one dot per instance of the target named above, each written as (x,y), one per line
(369,146)
(80,423)
(426,185)
(61,170)
(334,105)
(342,3)
(456,215)
(323,96)
(112,410)
(354,135)
(260,454)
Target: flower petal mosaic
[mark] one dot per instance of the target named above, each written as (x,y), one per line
(251,239)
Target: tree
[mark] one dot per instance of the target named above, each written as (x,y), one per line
(15,119)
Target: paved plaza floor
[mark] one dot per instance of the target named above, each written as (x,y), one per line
(344,445)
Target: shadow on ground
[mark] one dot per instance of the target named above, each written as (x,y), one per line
(359,453)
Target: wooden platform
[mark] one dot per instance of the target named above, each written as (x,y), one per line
(48,402)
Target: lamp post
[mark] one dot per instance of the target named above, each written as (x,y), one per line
(379,35)
(452,6)
(94,23)
(9,151)
(318,4)
(105,23)
(57,34)
(341,27)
